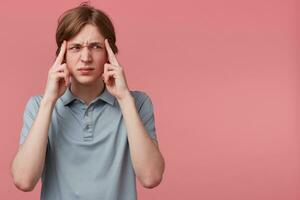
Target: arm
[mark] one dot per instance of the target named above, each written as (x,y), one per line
(28,164)
(148,162)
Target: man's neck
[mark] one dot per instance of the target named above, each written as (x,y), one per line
(87,93)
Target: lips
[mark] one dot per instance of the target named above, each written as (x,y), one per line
(85,71)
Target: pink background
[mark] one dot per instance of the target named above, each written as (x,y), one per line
(222,75)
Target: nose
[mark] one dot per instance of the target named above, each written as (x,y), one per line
(85,55)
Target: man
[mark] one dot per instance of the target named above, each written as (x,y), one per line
(88,136)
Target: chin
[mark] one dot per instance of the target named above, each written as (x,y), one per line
(87,80)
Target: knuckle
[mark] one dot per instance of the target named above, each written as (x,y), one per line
(51,72)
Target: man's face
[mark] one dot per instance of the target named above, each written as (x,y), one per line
(86,55)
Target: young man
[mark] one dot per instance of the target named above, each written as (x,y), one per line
(88,136)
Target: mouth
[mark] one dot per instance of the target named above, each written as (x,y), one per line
(85,70)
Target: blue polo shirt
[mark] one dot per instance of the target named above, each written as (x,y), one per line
(88,154)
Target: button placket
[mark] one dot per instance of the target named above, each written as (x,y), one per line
(88,132)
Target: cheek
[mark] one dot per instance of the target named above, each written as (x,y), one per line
(100,60)
(102,55)
(71,63)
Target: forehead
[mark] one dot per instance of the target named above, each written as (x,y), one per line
(89,33)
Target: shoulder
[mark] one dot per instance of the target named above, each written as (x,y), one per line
(139,96)
(34,101)
(142,99)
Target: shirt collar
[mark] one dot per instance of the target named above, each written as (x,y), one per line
(68,97)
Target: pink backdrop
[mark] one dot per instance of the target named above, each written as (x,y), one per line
(222,76)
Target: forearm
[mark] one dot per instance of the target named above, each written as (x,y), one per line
(28,163)
(147,160)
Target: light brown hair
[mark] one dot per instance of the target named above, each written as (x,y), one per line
(72,21)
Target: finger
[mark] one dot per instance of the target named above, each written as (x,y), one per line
(111,56)
(104,73)
(60,75)
(104,77)
(107,75)
(110,67)
(110,77)
(64,76)
(67,75)
(60,68)
(61,54)
(107,68)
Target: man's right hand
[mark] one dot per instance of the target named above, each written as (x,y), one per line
(58,76)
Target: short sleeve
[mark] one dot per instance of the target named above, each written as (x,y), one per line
(30,112)
(146,113)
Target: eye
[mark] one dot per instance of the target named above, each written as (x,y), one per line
(76,47)
(96,46)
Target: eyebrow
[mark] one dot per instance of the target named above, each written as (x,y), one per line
(75,43)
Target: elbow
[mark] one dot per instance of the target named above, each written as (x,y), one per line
(22,179)
(23,185)
(153,177)
(151,181)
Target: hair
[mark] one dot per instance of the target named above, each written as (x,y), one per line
(72,21)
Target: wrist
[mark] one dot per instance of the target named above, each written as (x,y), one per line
(48,101)
(125,98)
